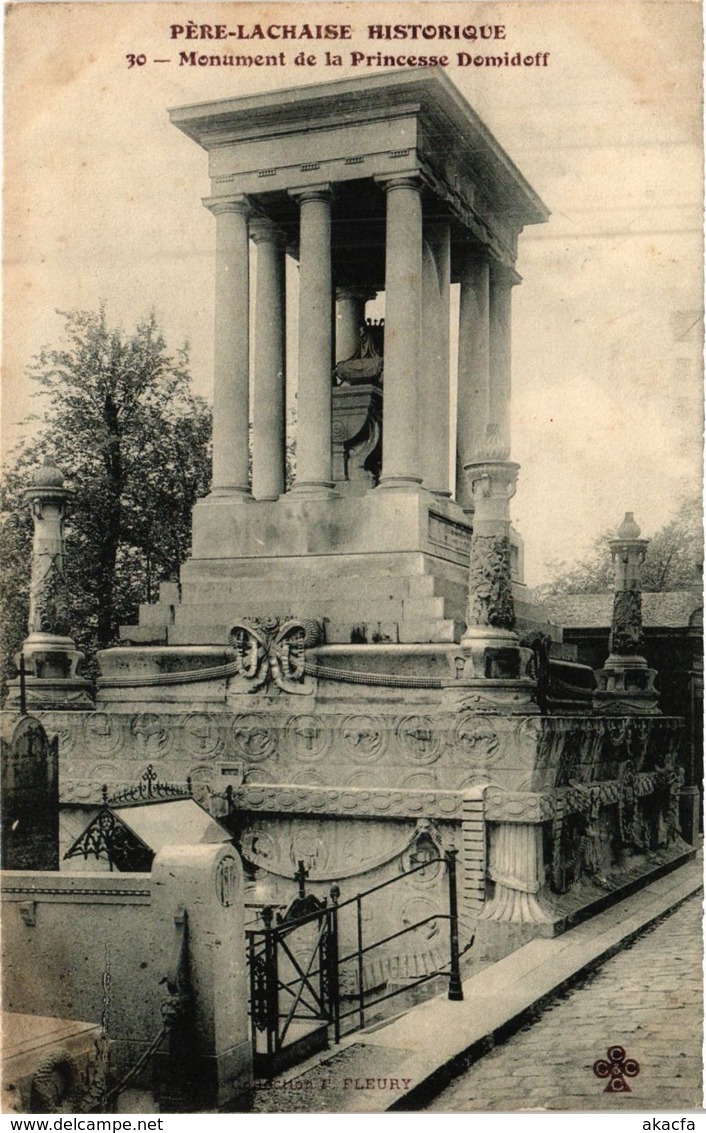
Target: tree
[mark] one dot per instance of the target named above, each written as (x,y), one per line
(120,421)
(673,558)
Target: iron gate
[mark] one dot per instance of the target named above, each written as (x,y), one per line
(296,963)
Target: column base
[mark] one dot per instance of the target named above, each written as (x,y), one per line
(492,653)
(49,656)
(401,483)
(314,490)
(476,637)
(230,494)
(626,684)
(47,694)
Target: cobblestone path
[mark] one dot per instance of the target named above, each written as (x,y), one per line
(648,999)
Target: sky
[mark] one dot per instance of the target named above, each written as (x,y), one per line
(102,202)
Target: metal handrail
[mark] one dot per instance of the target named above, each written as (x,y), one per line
(390,881)
(394,935)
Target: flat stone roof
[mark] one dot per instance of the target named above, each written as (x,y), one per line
(431,97)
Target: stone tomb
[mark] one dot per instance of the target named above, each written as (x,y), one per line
(392,185)
(343,654)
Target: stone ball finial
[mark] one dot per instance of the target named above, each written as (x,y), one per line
(628,528)
(48,475)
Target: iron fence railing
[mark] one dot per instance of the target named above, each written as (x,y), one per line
(286,988)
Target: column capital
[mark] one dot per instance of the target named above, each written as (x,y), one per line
(354,291)
(323,191)
(238,204)
(503,275)
(476,253)
(407,179)
(263,230)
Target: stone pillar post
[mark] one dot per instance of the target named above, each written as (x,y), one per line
(403,334)
(490,615)
(502,280)
(313,477)
(231,362)
(197,902)
(435,392)
(268,441)
(625,683)
(48,594)
(473,413)
(49,656)
(350,317)
(489,641)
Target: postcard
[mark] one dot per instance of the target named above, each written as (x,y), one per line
(351,547)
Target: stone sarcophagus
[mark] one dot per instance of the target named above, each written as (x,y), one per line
(550,814)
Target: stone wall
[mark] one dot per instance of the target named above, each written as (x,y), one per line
(61,934)
(136,953)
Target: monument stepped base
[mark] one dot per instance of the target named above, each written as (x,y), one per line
(390,566)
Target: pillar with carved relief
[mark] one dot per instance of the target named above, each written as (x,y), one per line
(49,662)
(516,868)
(490,615)
(625,683)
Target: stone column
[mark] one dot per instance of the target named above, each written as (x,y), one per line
(49,657)
(473,390)
(490,615)
(268,440)
(313,477)
(350,317)
(502,280)
(197,904)
(231,361)
(435,391)
(48,593)
(625,683)
(403,334)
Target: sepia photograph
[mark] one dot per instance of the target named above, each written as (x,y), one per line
(351,559)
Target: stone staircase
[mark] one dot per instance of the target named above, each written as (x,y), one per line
(402,598)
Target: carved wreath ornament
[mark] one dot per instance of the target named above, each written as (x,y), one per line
(273,651)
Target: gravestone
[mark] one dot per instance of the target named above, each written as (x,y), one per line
(30,796)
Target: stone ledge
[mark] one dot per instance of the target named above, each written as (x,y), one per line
(89,886)
(360,801)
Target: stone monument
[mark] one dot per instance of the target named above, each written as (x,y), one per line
(625,682)
(49,662)
(344,663)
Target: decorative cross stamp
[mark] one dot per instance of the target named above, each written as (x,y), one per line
(617,1069)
